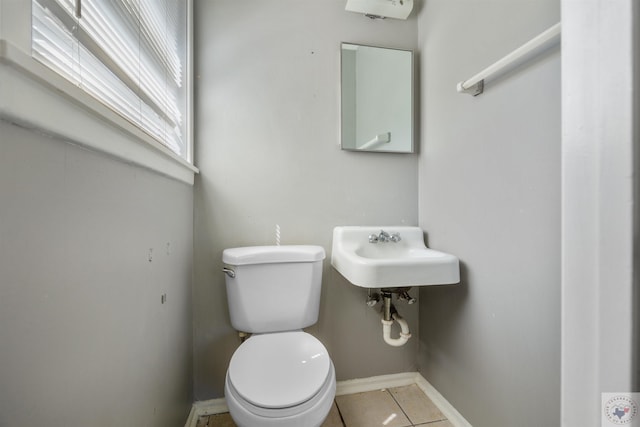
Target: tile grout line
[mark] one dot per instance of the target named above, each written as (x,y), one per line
(407,415)
(335,402)
(400,406)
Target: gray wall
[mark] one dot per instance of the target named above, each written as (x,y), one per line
(490,193)
(267,126)
(84,339)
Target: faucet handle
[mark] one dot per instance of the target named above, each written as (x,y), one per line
(373,238)
(395,237)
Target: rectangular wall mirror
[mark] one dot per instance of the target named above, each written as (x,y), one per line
(377,99)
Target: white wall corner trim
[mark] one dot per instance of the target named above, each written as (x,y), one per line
(35,97)
(598,171)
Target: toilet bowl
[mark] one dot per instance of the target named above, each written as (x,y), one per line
(280,379)
(280,376)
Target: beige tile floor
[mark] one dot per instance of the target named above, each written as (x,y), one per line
(395,407)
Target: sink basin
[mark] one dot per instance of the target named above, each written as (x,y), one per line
(389,264)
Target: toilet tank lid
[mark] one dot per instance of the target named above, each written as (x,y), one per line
(272,254)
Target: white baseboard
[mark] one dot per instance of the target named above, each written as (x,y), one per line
(359,385)
(211,407)
(206,407)
(192,419)
(443,404)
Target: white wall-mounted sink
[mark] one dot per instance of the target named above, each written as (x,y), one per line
(390,264)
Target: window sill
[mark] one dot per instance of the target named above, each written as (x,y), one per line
(36,97)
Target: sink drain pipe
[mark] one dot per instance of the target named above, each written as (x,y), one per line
(388,316)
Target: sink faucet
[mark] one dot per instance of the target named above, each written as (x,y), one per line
(384,237)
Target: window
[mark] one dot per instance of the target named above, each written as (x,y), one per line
(129,54)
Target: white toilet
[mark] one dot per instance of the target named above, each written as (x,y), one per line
(280,376)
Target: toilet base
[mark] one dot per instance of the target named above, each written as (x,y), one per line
(310,414)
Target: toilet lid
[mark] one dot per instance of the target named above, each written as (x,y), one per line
(279,370)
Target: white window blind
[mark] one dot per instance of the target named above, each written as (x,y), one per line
(129,54)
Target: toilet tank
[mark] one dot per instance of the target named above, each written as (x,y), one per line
(274,288)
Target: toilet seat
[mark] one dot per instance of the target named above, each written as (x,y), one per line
(318,404)
(279,370)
